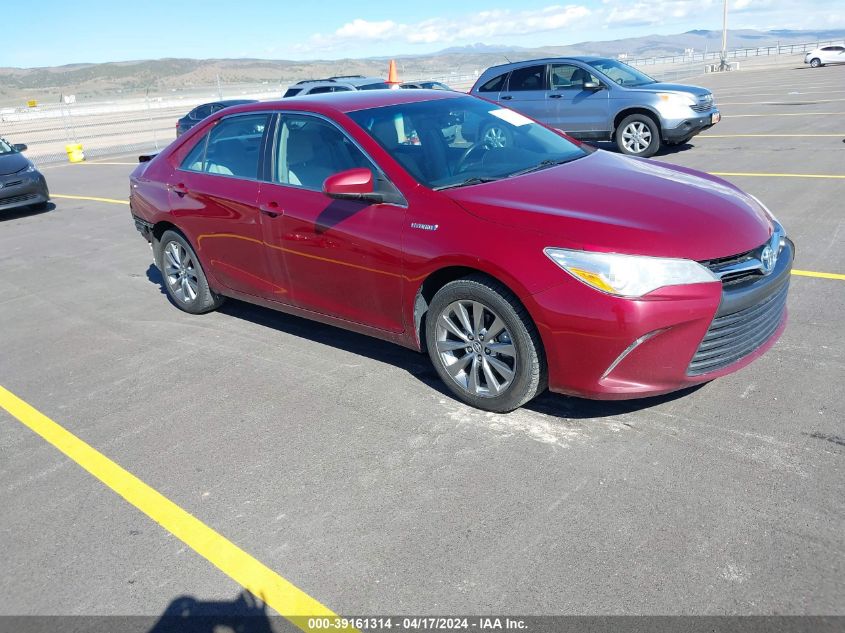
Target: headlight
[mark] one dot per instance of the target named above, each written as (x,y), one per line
(29,168)
(677,99)
(628,275)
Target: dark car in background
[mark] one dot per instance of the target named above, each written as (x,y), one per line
(21,184)
(206,109)
(425,85)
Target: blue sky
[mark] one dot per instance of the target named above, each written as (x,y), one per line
(96,31)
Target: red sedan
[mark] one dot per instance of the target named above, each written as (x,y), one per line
(543,264)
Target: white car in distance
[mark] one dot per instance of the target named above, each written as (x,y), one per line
(825,55)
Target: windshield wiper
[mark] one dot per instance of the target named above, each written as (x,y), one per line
(475,180)
(543,164)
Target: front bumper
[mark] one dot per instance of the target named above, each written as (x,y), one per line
(610,348)
(678,130)
(22,190)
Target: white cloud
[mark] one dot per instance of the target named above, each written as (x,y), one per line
(468,28)
(655,12)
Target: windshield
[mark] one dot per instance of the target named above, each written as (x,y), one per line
(456,142)
(6,148)
(623,74)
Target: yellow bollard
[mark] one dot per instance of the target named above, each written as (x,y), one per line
(74,152)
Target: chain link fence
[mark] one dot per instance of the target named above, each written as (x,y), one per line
(126,123)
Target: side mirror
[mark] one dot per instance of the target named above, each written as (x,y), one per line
(19,147)
(352,184)
(592,85)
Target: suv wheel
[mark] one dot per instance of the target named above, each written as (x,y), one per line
(184,279)
(496,136)
(484,345)
(638,135)
(815,62)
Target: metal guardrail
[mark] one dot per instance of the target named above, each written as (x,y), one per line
(737,53)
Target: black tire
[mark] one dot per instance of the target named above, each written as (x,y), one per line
(495,136)
(641,122)
(528,364)
(815,62)
(194,295)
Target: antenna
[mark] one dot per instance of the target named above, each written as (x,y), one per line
(506,57)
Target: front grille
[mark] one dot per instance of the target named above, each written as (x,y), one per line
(11,183)
(704,104)
(718,266)
(733,336)
(4,202)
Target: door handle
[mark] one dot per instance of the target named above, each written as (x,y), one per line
(506,98)
(271,209)
(179,189)
(555,96)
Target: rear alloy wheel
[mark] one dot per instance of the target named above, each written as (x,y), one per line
(638,135)
(184,279)
(484,345)
(815,62)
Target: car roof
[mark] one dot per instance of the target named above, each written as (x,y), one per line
(352,80)
(352,101)
(548,60)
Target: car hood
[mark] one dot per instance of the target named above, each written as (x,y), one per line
(664,87)
(611,203)
(12,163)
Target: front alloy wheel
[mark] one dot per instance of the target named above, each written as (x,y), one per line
(476,348)
(484,345)
(638,135)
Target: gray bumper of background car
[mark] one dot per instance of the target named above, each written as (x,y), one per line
(22,190)
(689,127)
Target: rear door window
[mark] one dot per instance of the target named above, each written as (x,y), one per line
(200,112)
(528,78)
(231,148)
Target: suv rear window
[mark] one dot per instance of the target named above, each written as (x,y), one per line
(494,85)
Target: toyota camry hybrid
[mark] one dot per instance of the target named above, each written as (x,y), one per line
(542,264)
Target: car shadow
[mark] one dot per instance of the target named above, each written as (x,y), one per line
(665,150)
(244,614)
(24,212)
(415,363)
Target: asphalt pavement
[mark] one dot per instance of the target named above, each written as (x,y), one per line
(340,462)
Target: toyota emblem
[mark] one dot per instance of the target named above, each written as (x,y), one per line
(768,258)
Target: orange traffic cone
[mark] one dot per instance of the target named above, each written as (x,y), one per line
(392,75)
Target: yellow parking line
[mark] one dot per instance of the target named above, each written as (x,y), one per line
(261,581)
(722,103)
(812,273)
(842,135)
(102,162)
(764,175)
(94,198)
(736,116)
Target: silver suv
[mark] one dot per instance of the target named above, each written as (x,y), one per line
(596,98)
(341,83)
